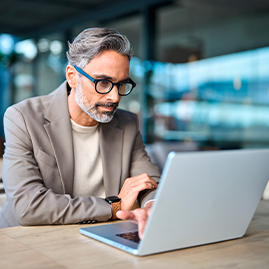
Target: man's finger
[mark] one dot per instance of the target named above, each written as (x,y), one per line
(142,178)
(138,216)
(126,215)
(143,186)
(141,216)
(147,179)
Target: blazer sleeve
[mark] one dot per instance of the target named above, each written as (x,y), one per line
(31,201)
(141,163)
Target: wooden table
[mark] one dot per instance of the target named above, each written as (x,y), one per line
(64,247)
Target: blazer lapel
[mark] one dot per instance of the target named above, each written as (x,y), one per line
(59,131)
(111,144)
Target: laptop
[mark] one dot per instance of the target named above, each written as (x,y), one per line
(202,198)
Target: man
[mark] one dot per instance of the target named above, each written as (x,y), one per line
(68,151)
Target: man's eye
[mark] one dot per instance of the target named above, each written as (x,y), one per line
(104,83)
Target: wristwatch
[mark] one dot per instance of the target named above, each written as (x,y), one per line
(114,201)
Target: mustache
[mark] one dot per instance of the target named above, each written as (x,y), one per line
(109,104)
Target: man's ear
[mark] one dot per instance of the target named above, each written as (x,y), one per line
(71,76)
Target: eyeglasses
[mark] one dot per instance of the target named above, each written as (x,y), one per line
(104,86)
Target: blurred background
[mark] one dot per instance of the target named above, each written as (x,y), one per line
(201,66)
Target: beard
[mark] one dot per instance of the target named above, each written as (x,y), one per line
(93,109)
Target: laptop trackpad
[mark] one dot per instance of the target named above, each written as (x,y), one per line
(120,234)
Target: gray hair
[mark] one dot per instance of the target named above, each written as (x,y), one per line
(91,42)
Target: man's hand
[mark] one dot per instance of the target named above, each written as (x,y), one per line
(131,188)
(138,216)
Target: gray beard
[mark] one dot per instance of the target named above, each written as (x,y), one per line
(92,110)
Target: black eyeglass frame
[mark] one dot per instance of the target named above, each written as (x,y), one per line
(95,81)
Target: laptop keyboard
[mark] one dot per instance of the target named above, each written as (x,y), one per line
(132,236)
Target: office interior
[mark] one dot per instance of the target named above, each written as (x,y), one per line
(201,66)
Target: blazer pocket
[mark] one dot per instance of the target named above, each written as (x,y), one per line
(45,158)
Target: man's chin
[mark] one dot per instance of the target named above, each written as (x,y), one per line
(106,117)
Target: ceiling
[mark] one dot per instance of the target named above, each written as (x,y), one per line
(183,26)
(31,18)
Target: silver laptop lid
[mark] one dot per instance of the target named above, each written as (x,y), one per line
(205,197)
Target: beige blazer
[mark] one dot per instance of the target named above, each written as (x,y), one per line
(38,165)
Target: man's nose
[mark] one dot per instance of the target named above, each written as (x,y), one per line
(113,95)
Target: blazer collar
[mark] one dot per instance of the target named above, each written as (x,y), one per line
(58,107)
(59,131)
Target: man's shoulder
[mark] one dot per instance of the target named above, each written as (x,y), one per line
(32,105)
(32,102)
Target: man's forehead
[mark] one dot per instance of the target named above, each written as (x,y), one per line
(110,64)
(111,53)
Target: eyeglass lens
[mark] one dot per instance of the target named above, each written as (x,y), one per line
(104,86)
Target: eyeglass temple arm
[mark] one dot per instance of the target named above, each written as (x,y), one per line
(83,73)
(93,80)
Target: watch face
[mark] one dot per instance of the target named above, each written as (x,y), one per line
(112,199)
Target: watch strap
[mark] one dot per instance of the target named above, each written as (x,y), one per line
(115,208)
